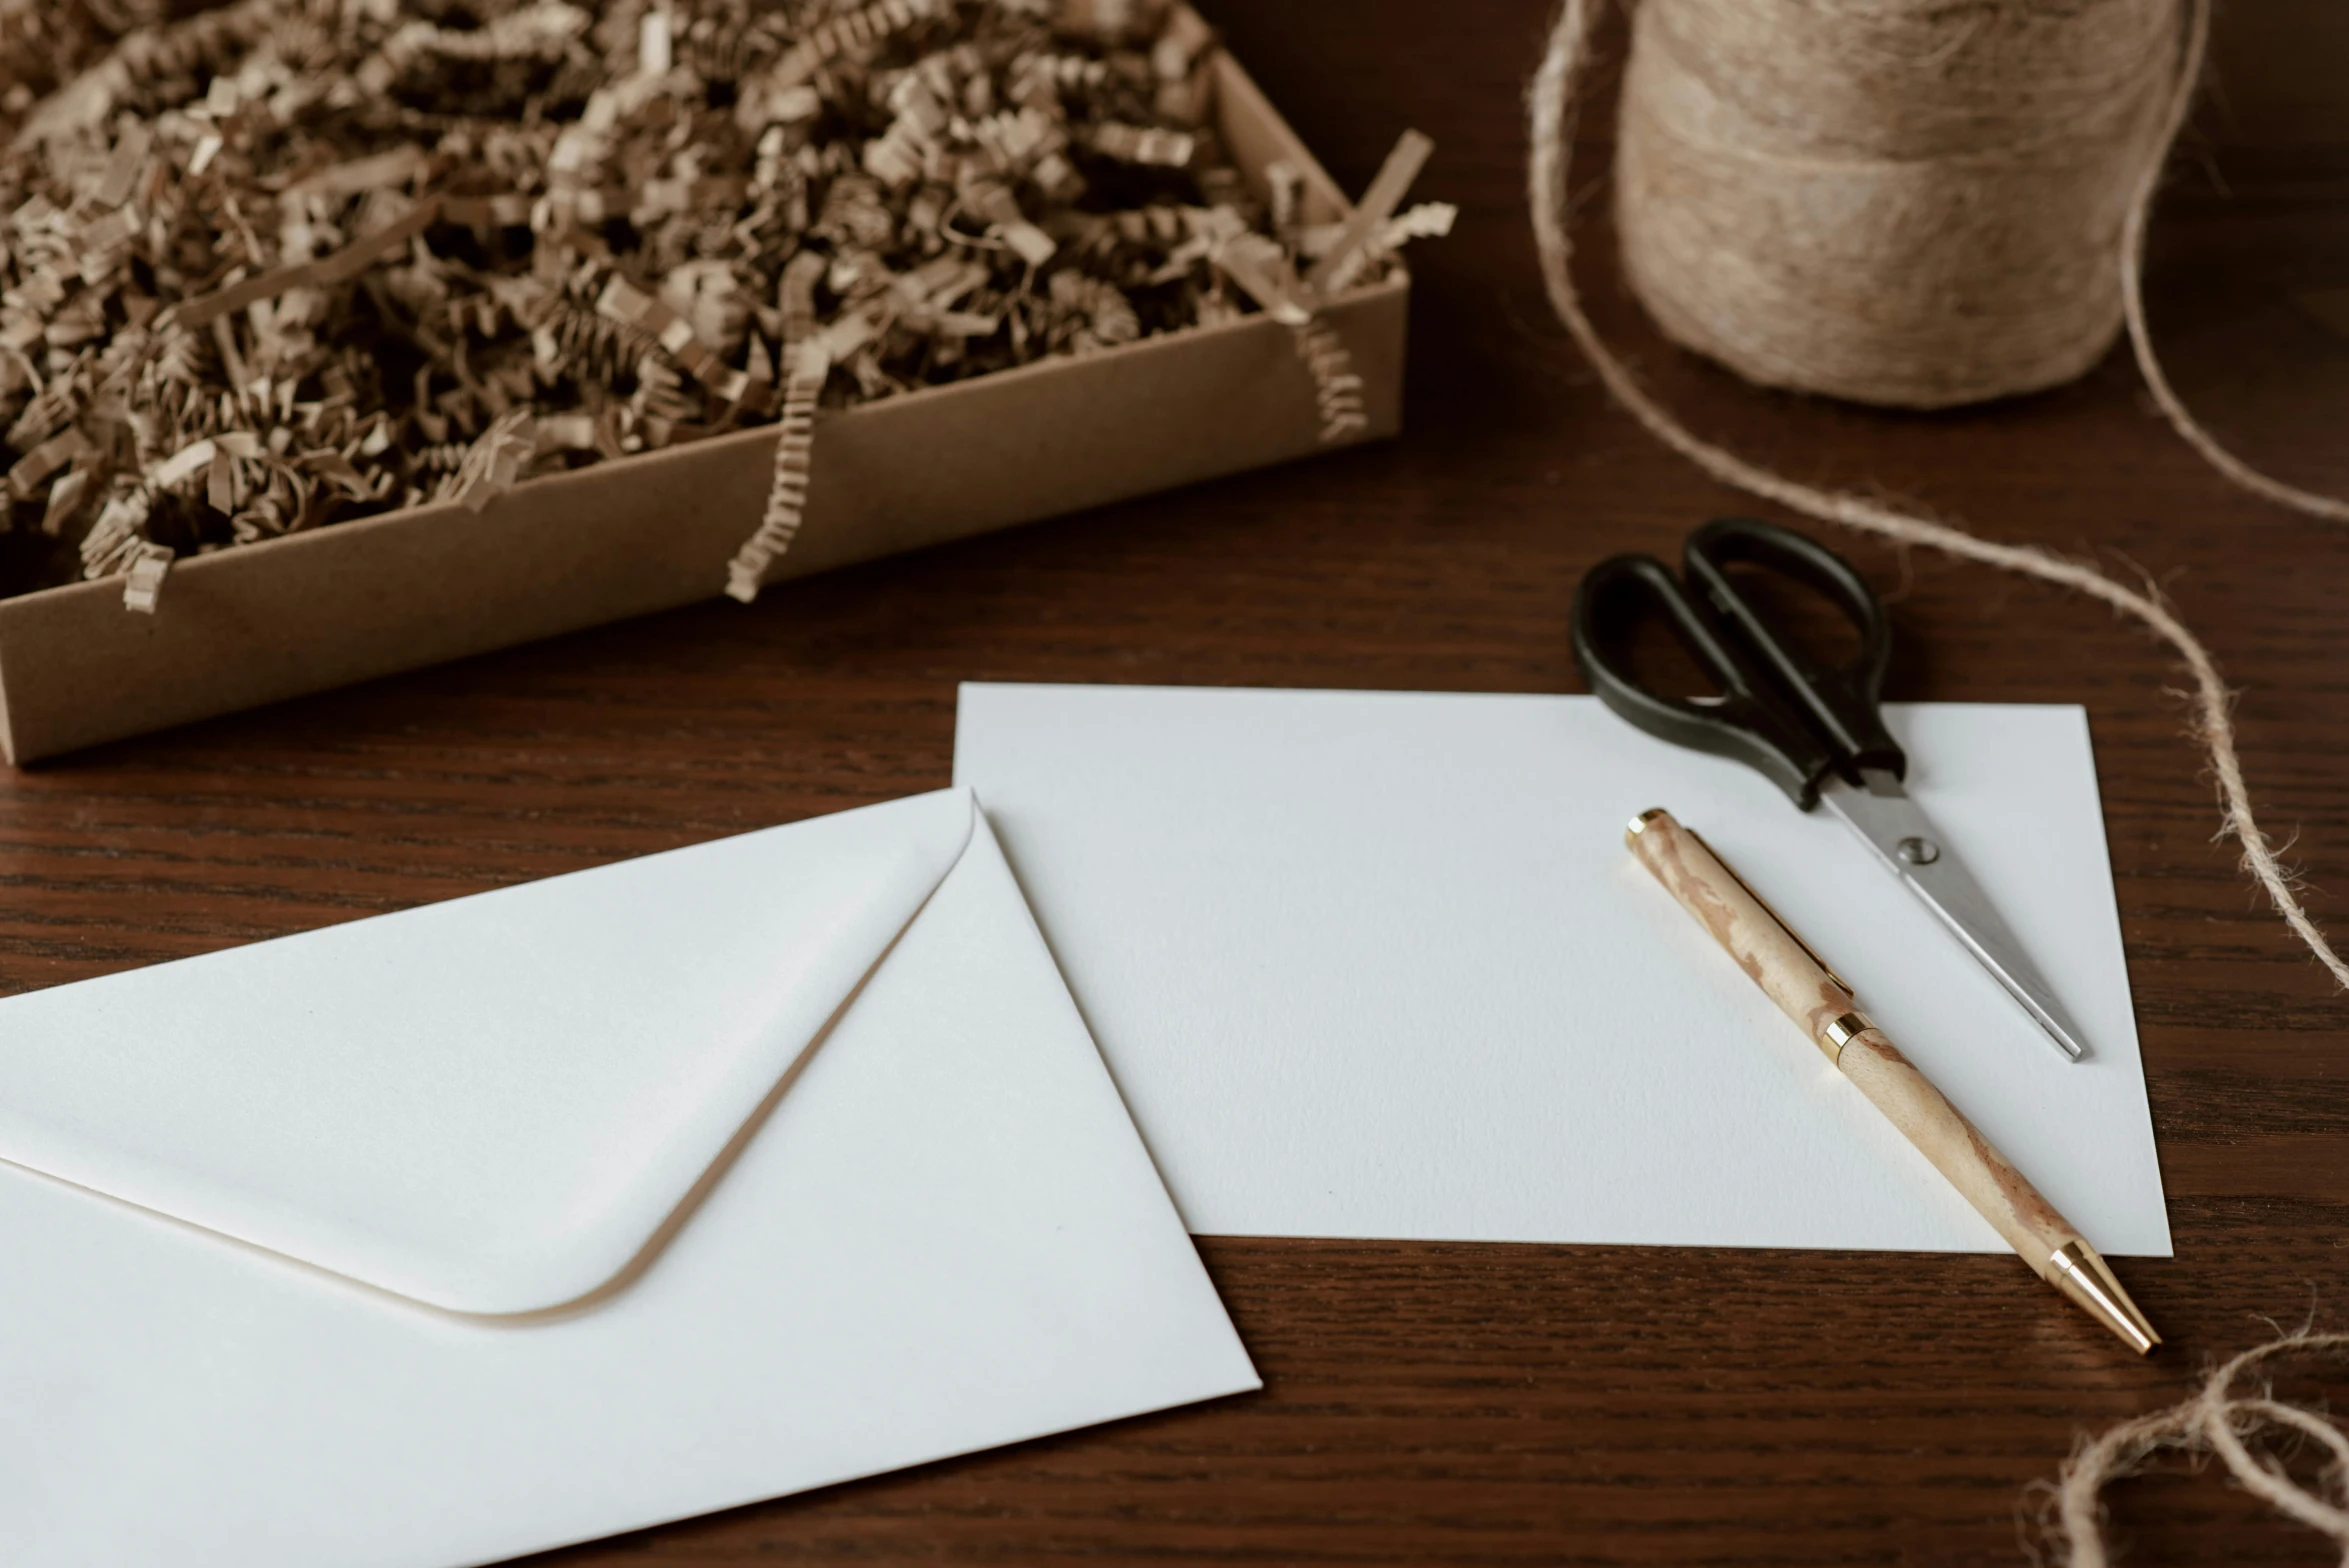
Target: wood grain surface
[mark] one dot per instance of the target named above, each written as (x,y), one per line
(1438,1405)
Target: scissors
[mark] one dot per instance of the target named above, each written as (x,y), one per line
(1818,734)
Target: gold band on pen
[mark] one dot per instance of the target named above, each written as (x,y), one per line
(1839,1034)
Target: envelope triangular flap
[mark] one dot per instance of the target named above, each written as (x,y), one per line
(490,1105)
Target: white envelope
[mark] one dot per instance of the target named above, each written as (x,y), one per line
(571,1208)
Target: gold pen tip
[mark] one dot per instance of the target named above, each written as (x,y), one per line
(2083,1275)
(1640,823)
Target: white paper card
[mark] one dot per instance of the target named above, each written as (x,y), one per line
(943,1235)
(1378,965)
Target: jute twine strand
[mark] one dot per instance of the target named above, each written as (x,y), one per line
(1551,106)
(2216,1420)
(2133,299)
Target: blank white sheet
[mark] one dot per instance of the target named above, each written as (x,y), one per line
(1371,964)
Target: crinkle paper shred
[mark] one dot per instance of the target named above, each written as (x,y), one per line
(281,263)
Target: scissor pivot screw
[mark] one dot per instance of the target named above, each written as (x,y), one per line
(1919,851)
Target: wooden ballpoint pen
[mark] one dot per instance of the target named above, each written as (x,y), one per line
(1808,992)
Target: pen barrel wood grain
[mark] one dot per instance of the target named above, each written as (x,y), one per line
(1972,1164)
(1793,976)
(1811,994)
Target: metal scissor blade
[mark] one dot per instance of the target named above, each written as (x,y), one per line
(1913,850)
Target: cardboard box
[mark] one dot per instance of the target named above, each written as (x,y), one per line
(383,594)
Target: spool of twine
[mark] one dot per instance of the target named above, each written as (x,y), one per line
(1905,202)
(1861,196)
(1917,203)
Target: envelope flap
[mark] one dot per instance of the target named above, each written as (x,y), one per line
(490,1105)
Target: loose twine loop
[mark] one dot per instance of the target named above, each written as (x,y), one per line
(1681,108)
(2216,1420)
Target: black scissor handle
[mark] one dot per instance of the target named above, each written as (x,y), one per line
(1746,722)
(1841,705)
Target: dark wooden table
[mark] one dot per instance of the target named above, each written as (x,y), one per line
(1428,1404)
